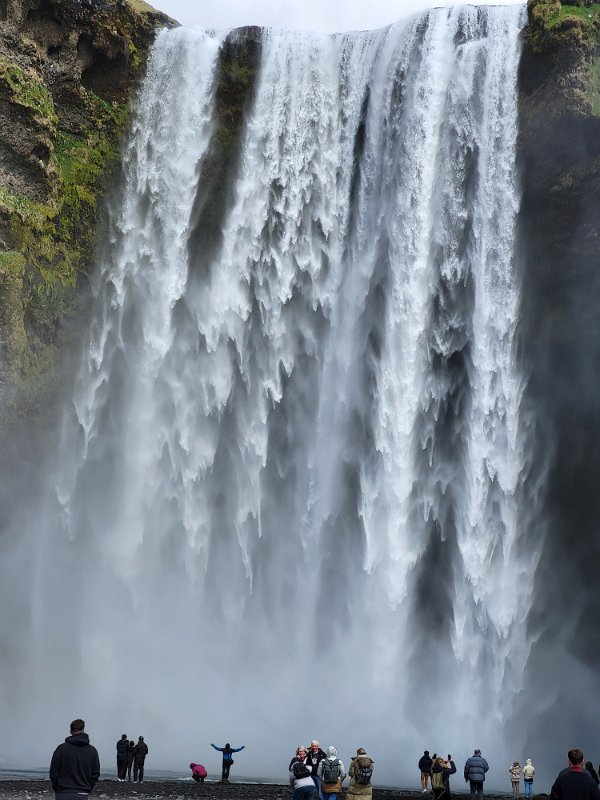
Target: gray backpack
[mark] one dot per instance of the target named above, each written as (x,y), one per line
(331,770)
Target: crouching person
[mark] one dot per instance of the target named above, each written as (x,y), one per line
(198,772)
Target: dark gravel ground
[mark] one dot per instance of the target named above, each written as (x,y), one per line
(172,790)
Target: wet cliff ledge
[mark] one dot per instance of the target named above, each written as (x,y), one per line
(67,71)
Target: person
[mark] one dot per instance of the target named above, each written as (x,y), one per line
(590,768)
(198,772)
(440,776)
(437,778)
(360,772)
(301,778)
(122,751)
(515,777)
(140,751)
(574,782)
(130,757)
(301,752)
(75,766)
(475,769)
(425,764)
(449,770)
(528,773)
(331,774)
(313,758)
(228,752)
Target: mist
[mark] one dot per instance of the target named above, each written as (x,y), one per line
(298,482)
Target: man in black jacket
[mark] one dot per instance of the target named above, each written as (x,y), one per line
(122,753)
(575,782)
(140,751)
(75,766)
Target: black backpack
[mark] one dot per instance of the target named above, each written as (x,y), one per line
(300,770)
(362,775)
(331,770)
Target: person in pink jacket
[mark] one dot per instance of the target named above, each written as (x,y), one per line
(198,772)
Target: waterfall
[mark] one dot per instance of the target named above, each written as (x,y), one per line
(293,485)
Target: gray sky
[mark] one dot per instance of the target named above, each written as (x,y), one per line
(322,15)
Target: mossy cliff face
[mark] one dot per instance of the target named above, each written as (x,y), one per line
(67,71)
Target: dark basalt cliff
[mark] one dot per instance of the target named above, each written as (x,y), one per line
(67,71)
(559,156)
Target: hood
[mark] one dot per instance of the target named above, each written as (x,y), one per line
(528,761)
(78,739)
(331,752)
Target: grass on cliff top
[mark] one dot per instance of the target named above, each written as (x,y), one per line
(559,12)
(140,7)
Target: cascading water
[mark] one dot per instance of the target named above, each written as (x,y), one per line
(292,491)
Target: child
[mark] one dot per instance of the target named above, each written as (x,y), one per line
(515,777)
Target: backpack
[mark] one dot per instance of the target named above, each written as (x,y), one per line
(300,770)
(437,779)
(362,775)
(331,770)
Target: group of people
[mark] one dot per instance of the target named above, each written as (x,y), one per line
(437,769)
(318,775)
(131,755)
(314,774)
(528,771)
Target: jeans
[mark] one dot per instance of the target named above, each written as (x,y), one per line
(225,767)
(317,781)
(528,788)
(476,789)
(303,793)
(138,772)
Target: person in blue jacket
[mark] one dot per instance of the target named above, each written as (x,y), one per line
(228,752)
(475,769)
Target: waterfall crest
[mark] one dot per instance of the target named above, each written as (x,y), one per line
(295,466)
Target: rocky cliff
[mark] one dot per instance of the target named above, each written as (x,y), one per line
(67,71)
(559,154)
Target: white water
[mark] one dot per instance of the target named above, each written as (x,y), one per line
(291,496)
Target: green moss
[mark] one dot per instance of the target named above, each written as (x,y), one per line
(27,90)
(15,202)
(594,89)
(556,26)
(12,263)
(140,7)
(588,15)
(13,339)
